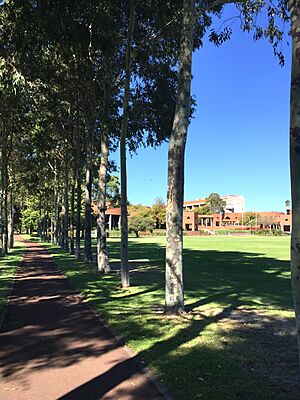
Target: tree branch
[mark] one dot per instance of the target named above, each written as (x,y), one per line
(216,3)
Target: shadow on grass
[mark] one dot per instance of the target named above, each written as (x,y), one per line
(228,372)
(225,348)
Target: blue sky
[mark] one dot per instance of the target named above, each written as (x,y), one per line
(238,138)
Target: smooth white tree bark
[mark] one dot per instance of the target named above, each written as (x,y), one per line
(124,218)
(295,159)
(174,292)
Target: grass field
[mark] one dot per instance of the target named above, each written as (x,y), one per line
(237,339)
(8,267)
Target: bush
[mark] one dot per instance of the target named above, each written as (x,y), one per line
(268,232)
(137,224)
(159,232)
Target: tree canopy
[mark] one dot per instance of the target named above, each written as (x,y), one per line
(215,203)
(78,79)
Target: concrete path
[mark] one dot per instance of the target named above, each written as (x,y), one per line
(52,347)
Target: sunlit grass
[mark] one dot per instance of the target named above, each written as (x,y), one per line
(8,266)
(238,329)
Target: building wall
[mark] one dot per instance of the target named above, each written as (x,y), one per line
(234,203)
(190,205)
(192,221)
(286,223)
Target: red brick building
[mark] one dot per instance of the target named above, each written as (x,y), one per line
(192,221)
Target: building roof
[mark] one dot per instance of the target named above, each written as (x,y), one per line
(270,213)
(203,200)
(113,211)
(228,196)
(186,203)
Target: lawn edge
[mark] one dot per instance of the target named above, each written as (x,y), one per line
(10,288)
(154,378)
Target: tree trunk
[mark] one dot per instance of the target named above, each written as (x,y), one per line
(40,225)
(174,297)
(295,159)
(72,217)
(11,222)
(44,229)
(63,229)
(102,253)
(1,218)
(5,204)
(57,228)
(65,213)
(78,213)
(5,244)
(124,218)
(47,228)
(53,219)
(102,256)
(88,256)
(55,216)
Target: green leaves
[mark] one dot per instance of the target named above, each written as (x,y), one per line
(215,203)
(219,38)
(11,79)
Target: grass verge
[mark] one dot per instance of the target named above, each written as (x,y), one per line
(8,266)
(237,340)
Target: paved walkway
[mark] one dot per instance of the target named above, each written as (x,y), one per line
(52,347)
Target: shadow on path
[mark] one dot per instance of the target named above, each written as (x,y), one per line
(49,335)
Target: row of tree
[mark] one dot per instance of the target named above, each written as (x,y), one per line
(78,79)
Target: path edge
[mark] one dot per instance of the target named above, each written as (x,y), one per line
(154,378)
(10,289)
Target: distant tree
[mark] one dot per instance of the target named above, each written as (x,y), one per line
(268,221)
(251,219)
(31,216)
(139,210)
(287,203)
(158,212)
(113,195)
(215,203)
(138,223)
(203,210)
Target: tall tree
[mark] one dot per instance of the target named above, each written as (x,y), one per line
(113,191)
(174,297)
(88,256)
(124,220)
(174,300)
(102,253)
(158,212)
(295,159)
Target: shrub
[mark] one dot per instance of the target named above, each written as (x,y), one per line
(138,223)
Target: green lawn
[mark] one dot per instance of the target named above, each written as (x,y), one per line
(237,340)
(8,267)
